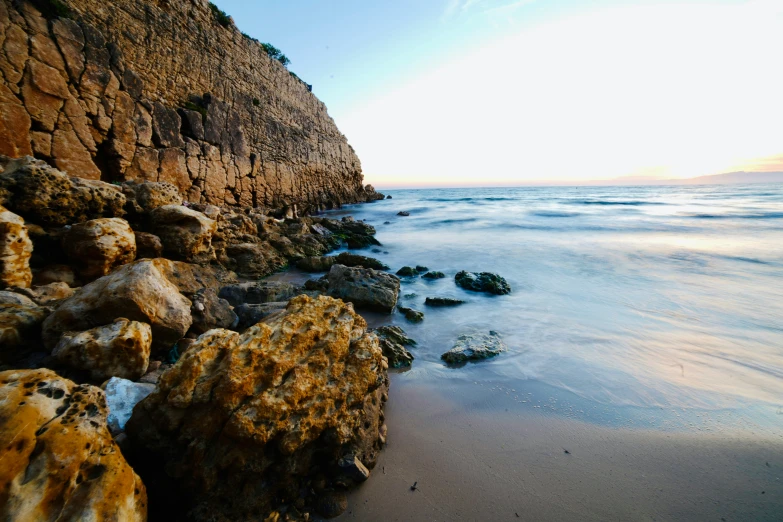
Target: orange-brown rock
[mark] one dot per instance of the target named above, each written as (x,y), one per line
(15,251)
(120,349)
(99,246)
(242,421)
(139,291)
(20,326)
(59,461)
(185,233)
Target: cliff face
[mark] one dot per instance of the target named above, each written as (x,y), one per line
(160,91)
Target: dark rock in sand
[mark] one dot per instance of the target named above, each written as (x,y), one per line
(434,275)
(393,340)
(483,282)
(407,271)
(354,260)
(403,214)
(442,301)
(258,292)
(364,287)
(332,504)
(395,334)
(411,315)
(316,263)
(474,347)
(317,285)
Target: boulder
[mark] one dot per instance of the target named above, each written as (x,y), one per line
(143,198)
(139,291)
(434,275)
(403,213)
(49,197)
(411,315)
(15,251)
(148,246)
(99,246)
(242,422)
(354,260)
(258,292)
(120,349)
(59,459)
(442,301)
(252,259)
(421,269)
(483,282)
(48,295)
(209,311)
(122,396)
(14,298)
(393,340)
(186,234)
(20,327)
(316,263)
(366,288)
(250,314)
(474,347)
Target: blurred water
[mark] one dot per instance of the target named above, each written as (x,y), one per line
(636,299)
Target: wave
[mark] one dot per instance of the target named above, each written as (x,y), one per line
(762,215)
(555,214)
(633,203)
(454,221)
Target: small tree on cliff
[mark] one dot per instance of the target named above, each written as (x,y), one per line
(275,54)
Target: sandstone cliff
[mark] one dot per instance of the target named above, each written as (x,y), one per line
(161,91)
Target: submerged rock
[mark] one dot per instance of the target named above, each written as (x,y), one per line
(407,271)
(16,249)
(411,315)
(421,269)
(243,421)
(483,282)
(442,301)
(366,288)
(122,396)
(139,291)
(120,349)
(59,459)
(393,341)
(99,246)
(403,213)
(474,347)
(434,275)
(354,260)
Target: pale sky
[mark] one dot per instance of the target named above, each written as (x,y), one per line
(483,92)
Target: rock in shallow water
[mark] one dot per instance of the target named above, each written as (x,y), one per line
(366,288)
(411,315)
(442,301)
(59,461)
(393,341)
(483,282)
(243,421)
(354,260)
(474,347)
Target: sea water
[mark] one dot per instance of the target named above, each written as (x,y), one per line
(636,306)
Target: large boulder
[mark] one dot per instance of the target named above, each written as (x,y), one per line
(366,288)
(15,251)
(143,198)
(59,459)
(99,246)
(252,259)
(139,291)
(120,349)
(209,311)
(258,292)
(474,347)
(243,422)
(185,233)
(20,326)
(316,263)
(482,282)
(49,197)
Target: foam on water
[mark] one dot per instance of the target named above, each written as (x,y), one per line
(642,297)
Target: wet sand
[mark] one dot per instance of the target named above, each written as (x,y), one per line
(477,455)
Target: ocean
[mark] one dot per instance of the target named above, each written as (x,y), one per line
(654,305)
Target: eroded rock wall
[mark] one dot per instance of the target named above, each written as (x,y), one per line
(160,91)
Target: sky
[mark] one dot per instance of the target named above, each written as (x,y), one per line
(508,92)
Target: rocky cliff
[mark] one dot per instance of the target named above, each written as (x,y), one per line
(161,91)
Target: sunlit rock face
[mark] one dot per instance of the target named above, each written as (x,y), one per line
(94,95)
(59,459)
(243,422)
(15,251)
